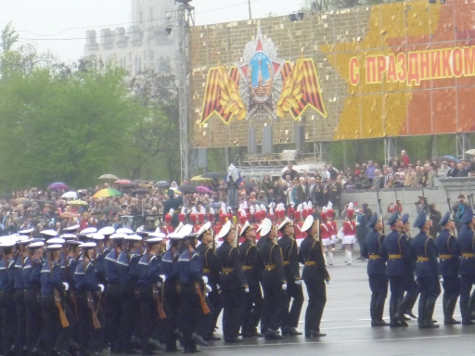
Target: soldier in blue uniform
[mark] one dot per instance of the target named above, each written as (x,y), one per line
(449,261)
(274,281)
(233,283)
(427,271)
(211,270)
(127,269)
(20,259)
(57,316)
(315,275)
(376,269)
(88,289)
(7,291)
(252,266)
(34,319)
(192,302)
(171,287)
(397,251)
(466,240)
(114,329)
(406,227)
(290,261)
(150,284)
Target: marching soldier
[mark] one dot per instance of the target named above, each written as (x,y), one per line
(91,321)
(128,277)
(294,283)
(410,305)
(466,242)
(233,283)
(211,272)
(7,292)
(150,300)
(58,318)
(449,261)
(29,274)
(252,267)
(396,250)
(314,275)
(274,281)
(427,271)
(376,269)
(192,300)
(171,289)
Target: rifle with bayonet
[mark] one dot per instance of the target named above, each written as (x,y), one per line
(380,209)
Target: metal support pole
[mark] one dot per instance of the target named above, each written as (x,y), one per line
(185,14)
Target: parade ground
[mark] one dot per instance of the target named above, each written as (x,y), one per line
(347,325)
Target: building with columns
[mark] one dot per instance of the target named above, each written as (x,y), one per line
(148,43)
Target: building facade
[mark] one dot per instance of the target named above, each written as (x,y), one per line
(148,43)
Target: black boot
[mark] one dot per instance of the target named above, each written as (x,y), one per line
(449,315)
(392,315)
(379,314)
(410,306)
(372,313)
(420,318)
(427,320)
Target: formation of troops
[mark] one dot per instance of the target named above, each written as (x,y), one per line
(417,266)
(80,292)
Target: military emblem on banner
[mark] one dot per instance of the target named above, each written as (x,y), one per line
(262,86)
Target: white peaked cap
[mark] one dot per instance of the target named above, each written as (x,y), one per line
(307,224)
(265,227)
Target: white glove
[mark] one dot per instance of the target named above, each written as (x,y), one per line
(101,287)
(205,279)
(208,288)
(163,277)
(284,286)
(159,284)
(441,280)
(66,285)
(298,282)
(246,290)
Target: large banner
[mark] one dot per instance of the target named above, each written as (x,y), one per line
(405,68)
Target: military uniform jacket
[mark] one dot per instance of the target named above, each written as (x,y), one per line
(290,256)
(271,255)
(449,253)
(427,263)
(371,247)
(466,241)
(252,264)
(232,276)
(189,267)
(211,267)
(311,256)
(397,251)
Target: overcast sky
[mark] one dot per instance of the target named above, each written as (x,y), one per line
(53,21)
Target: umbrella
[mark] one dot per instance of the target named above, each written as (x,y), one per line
(140,191)
(213,175)
(162,184)
(199,179)
(70,195)
(122,181)
(77,202)
(187,189)
(204,190)
(108,176)
(106,193)
(127,186)
(471,152)
(58,185)
(448,159)
(110,209)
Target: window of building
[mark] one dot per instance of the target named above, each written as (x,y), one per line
(152,55)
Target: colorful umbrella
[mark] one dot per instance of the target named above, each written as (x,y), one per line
(108,176)
(106,193)
(58,185)
(70,195)
(162,184)
(199,179)
(204,190)
(77,202)
(122,181)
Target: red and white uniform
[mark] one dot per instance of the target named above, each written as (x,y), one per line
(325,233)
(349,231)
